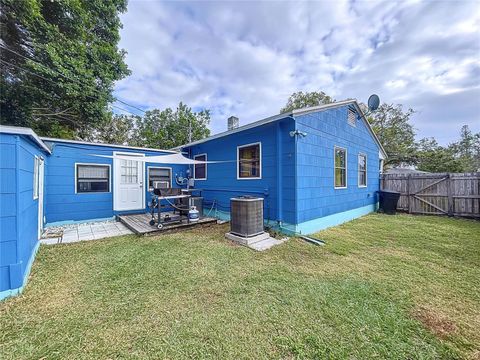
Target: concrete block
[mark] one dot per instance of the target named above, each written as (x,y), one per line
(247,240)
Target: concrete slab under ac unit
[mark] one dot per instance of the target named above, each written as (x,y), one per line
(247,240)
(259,242)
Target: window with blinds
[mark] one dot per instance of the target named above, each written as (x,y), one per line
(159,177)
(249,161)
(93,178)
(352,117)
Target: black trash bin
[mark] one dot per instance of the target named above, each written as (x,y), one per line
(388,201)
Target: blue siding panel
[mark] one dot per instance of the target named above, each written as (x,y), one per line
(8,229)
(222,183)
(316,195)
(18,210)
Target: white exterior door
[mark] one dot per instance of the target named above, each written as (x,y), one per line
(129,177)
(40,170)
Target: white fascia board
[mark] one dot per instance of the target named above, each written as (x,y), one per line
(80,142)
(17,130)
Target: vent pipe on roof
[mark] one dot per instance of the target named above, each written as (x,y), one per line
(233,123)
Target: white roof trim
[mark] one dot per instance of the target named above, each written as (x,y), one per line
(17,130)
(303,111)
(102,144)
(309,110)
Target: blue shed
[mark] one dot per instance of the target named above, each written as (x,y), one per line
(314,167)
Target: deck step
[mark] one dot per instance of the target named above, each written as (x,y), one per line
(139,224)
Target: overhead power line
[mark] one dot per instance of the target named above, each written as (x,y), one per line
(53,82)
(65,77)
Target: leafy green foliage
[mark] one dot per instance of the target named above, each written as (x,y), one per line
(60,64)
(392,126)
(117,129)
(432,157)
(460,156)
(467,149)
(168,128)
(300,100)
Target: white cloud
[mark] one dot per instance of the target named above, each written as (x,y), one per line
(246,58)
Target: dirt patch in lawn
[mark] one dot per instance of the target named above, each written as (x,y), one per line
(437,323)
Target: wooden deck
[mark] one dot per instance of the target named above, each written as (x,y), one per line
(139,224)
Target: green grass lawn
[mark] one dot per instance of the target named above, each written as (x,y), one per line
(397,287)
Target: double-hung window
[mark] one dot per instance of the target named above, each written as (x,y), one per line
(92,178)
(340,168)
(249,161)
(159,177)
(200,170)
(362,170)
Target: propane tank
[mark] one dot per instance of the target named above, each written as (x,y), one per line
(193,214)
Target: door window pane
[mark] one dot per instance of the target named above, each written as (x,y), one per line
(128,171)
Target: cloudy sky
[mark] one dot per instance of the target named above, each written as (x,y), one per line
(245,58)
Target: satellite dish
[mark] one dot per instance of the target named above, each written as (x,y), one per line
(373,102)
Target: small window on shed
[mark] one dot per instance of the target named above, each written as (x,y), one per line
(352,117)
(93,178)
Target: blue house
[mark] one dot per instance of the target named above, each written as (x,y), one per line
(314,167)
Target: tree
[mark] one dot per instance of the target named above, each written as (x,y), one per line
(59,62)
(168,128)
(391,125)
(118,129)
(467,149)
(300,99)
(432,157)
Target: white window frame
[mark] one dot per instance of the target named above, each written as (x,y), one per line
(195,158)
(158,167)
(36,177)
(346,167)
(259,143)
(95,192)
(366,170)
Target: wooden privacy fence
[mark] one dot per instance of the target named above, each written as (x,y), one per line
(454,194)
